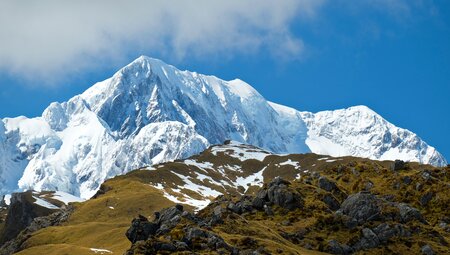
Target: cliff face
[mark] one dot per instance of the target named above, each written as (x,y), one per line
(21,212)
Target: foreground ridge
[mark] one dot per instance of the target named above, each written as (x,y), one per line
(241,199)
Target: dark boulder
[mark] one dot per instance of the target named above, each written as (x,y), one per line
(168,218)
(398,165)
(234,208)
(425,199)
(407,180)
(334,247)
(385,231)
(192,233)
(258,203)
(362,207)
(280,194)
(409,213)
(268,210)
(331,202)
(327,185)
(167,247)
(141,229)
(368,240)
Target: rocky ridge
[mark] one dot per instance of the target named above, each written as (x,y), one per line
(229,197)
(337,222)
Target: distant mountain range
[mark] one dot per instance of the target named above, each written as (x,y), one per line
(150,112)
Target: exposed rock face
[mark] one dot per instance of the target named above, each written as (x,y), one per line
(21,213)
(141,229)
(54,219)
(143,234)
(279,194)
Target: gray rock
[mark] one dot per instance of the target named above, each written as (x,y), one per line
(279,194)
(331,202)
(408,213)
(234,208)
(268,210)
(361,206)
(398,165)
(277,181)
(141,229)
(167,215)
(218,211)
(167,247)
(385,231)
(327,185)
(419,186)
(368,240)
(195,233)
(443,225)
(407,180)
(258,203)
(334,247)
(427,250)
(426,175)
(216,242)
(181,246)
(368,186)
(425,199)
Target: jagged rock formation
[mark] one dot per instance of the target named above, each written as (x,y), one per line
(150,112)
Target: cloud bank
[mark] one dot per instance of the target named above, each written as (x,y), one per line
(48,37)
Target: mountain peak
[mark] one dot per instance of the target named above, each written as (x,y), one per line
(150,112)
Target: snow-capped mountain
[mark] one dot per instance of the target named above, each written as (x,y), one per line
(150,112)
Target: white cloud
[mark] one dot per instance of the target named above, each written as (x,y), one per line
(48,37)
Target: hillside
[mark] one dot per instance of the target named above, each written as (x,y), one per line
(323,204)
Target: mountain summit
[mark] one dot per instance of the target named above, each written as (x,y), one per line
(150,112)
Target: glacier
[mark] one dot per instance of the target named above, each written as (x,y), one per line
(150,112)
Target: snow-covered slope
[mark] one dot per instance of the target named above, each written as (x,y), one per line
(359,131)
(150,112)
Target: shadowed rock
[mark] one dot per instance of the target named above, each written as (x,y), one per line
(362,207)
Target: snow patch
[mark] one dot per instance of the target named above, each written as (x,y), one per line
(295,164)
(255,179)
(66,198)
(100,251)
(43,203)
(240,151)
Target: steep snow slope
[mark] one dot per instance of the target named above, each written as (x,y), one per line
(359,131)
(150,112)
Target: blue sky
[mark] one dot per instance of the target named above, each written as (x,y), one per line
(393,56)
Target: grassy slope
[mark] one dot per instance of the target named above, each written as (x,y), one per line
(94,225)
